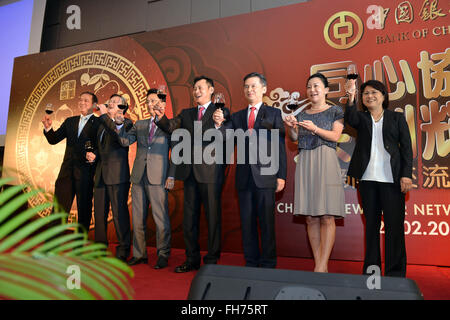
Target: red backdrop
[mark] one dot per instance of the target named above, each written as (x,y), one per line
(404,44)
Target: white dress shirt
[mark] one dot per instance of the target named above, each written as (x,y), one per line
(379,167)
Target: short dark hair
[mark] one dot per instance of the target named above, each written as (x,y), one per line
(321,77)
(156,91)
(152,91)
(209,81)
(93,96)
(379,86)
(261,77)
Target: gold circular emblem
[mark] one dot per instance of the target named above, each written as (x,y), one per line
(343,30)
(99,71)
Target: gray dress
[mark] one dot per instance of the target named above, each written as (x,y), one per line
(319,188)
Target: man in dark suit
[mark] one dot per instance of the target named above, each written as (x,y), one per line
(76,176)
(257,182)
(202,181)
(112,176)
(152,175)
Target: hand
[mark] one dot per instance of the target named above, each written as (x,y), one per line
(47,122)
(90,156)
(218,117)
(405,184)
(102,108)
(170,182)
(308,125)
(280,185)
(290,121)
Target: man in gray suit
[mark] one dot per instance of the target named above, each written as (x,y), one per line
(152,176)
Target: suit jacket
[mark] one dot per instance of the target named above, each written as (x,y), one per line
(75,153)
(396,140)
(151,159)
(203,172)
(111,156)
(267,118)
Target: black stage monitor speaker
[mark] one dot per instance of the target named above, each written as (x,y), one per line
(217,282)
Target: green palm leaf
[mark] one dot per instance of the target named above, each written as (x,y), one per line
(55,263)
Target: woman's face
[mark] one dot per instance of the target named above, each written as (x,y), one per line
(372,98)
(316,91)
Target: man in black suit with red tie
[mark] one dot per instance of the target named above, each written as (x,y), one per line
(112,176)
(76,176)
(257,182)
(202,181)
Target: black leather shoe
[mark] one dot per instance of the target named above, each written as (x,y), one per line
(161,263)
(133,261)
(123,258)
(186,267)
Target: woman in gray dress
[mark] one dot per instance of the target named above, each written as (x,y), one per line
(319,191)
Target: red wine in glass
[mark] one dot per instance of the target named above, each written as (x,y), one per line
(219,100)
(162,93)
(88,148)
(352,72)
(293,101)
(352,76)
(49,108)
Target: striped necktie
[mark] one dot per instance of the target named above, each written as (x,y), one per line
(152,131)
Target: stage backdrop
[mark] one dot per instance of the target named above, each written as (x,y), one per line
(402,43)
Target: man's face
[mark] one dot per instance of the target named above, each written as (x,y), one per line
(119,116)
(152,102)
(202,92)
(113,106)
(254,90)
(85,104)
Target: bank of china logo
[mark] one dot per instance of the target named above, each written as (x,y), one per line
(343,30)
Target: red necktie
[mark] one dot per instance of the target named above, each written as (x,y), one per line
(200,113)
(251,118)
(152,131)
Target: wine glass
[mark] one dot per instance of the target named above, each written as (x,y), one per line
(88,148)
(162,92)
(49,109)
(352,74)
(293,101)
(219,100)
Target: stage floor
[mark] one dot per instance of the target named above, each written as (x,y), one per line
(165,284)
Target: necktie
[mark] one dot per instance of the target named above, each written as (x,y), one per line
(200,113)
(81,124)
(152,131)
(251,118)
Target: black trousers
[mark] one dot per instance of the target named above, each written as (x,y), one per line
(196,193)
(255,205)
(378,197)
(67,188)
(115,195)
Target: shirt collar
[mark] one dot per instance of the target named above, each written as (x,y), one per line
(257,106)
(86,117)
(206,105)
